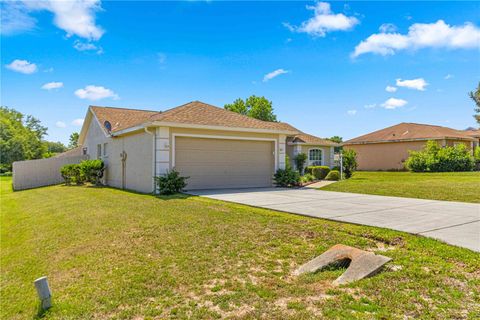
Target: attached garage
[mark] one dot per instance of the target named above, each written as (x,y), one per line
(224,163)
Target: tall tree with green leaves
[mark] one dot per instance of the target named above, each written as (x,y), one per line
(73,142)
(475,96)
(20,138)
(336,139)
(256,107)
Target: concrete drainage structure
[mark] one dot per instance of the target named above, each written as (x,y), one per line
(362,263)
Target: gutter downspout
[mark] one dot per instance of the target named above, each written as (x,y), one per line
(154,155)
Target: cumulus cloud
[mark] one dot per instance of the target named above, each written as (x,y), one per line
(52,85)
(352,112)
(273,74)
(448,76)
(370,106)
(22,66)
(417,84)
(394,103)
(60,124)
(93,93)
(421,35)
(78,122)
(75,17)
(323,21)
(391,89)
(87,46)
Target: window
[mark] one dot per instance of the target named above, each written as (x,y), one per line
(99,151)
(315,157)
(105,149)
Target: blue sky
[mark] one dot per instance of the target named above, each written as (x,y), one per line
(325,66)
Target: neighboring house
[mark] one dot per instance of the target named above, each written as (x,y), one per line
(474,133)
(214,147)
(387,149)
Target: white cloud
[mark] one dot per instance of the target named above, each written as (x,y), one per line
(15,18)
(22,66)
(370,106)
(448,76)
(387,28)
(417,84)
(75,17)
(323,21)
(421,35)
(60,124)
(391,89)
(77,122)
(87,46)
(394,103)
(352,112)
(92,92)
(274,74)
(52,85)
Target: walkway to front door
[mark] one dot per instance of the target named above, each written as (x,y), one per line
(456,223)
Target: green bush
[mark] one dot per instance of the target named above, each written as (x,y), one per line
(170,183)
(333,175)
(300,160)
(476,156)
(72,173)
(319,172)
(435,159)
(349,158)
(92,170)
(307,178)
(286,177)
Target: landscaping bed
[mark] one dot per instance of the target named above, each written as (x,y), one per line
(115,254)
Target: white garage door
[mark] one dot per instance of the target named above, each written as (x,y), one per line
(224,163)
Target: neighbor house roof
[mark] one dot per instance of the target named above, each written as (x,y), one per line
(473,133)
(194,113)
(305,138)
(409,131)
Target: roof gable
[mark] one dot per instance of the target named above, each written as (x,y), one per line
(410,131)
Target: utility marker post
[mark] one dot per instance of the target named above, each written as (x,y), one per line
(43,291)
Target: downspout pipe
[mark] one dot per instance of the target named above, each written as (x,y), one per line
(154,157)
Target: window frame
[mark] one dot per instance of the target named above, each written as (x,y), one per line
(314,162)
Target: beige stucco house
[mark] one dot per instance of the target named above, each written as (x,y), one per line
(388,148)
(216,148)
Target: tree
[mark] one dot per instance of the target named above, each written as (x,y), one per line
(254,107)
(20,138)
(73,142)
(300,160)
(349,162)
(475,96)
(336,139)
(53,148)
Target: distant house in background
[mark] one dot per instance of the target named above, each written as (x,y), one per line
(387,149)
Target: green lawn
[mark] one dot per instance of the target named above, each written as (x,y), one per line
(451,186)
(115,254)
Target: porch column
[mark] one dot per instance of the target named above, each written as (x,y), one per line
(332,159)
(162,150)
(282,139)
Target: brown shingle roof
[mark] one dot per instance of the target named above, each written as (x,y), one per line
(200,113)
(472,133)
(309,139)
(194,113)
(121,118)
(409,131)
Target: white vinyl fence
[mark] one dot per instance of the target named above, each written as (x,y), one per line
(42,172)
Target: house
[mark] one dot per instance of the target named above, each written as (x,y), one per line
(387,149)
(214,147)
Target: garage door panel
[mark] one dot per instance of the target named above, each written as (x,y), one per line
(222,163)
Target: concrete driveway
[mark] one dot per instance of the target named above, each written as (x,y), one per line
(456,223)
